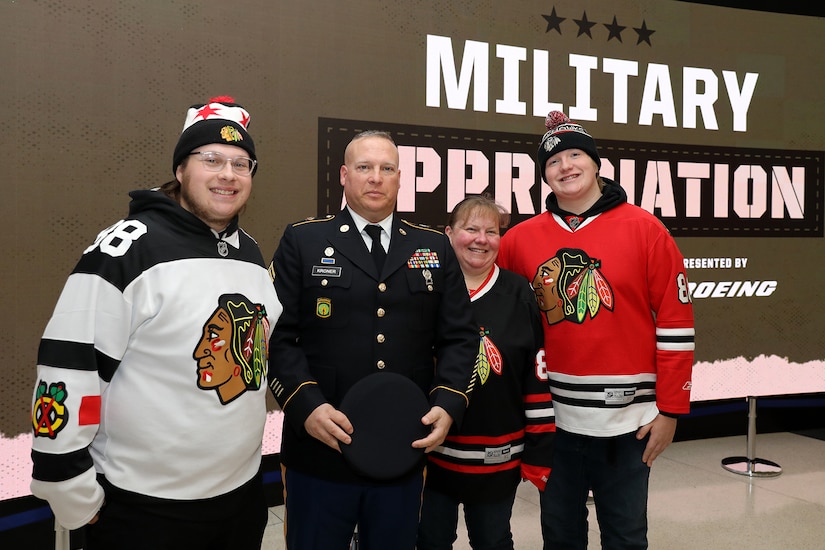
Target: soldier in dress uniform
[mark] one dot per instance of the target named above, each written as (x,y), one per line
(355,305)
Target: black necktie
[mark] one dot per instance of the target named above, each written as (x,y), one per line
(377,251)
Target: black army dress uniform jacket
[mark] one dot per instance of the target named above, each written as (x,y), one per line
(342,321)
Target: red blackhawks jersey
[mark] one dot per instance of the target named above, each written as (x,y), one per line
(616,313)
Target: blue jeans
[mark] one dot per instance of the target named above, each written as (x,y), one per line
(612,467)
(488,523)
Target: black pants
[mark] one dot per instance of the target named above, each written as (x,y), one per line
(127,525)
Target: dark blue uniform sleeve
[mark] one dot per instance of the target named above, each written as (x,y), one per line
(456,343)
(290,379)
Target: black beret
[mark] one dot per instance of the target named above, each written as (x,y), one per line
(385,410)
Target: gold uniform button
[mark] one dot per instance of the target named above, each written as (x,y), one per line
(380,338)
(380,312)
(380,364)
(382,287)
(324,282)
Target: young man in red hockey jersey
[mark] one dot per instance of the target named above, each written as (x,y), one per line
(618,333)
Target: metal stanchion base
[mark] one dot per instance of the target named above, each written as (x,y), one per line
(748,465)
(756,467)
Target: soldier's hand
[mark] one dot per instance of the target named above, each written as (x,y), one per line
(329,425)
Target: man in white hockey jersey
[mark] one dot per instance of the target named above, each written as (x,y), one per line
(149,406)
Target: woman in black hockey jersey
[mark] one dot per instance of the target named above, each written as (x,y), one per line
(508,427)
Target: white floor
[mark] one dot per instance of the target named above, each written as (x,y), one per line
(695,504)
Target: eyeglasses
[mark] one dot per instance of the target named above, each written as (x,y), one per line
(214,162)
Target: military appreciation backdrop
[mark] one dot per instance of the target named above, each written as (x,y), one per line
(710,117)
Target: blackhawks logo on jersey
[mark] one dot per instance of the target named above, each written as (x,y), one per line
(231,353)
(488,358)
(570,286)
(49,414)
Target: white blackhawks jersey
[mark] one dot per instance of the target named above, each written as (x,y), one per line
(152,369)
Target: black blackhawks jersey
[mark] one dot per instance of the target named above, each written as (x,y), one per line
(508,428)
